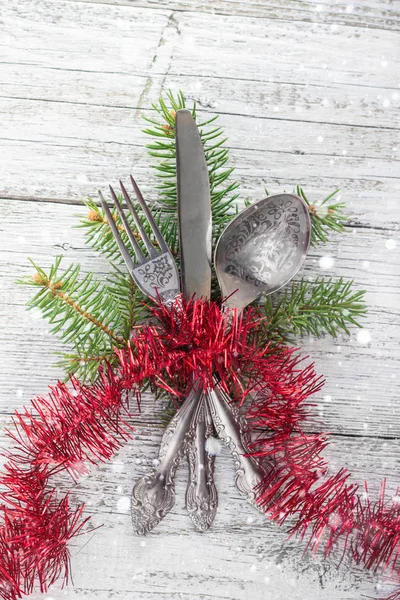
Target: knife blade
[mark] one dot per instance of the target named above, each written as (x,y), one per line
(194,208)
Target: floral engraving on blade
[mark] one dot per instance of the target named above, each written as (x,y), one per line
(274,231)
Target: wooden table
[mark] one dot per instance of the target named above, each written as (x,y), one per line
(308,92)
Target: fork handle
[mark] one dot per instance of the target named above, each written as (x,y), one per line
(201,493)
(231,430)
(153,495)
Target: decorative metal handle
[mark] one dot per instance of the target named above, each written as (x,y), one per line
(231,429)
(201,493)
(153,495)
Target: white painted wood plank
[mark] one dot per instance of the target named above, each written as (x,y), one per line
(249,47)
(323,102)
(361,379)
(89,146)
(83,36)
(367,13)
(77,126)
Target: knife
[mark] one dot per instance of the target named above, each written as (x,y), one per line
(195,243)
(194,208)
(195,226)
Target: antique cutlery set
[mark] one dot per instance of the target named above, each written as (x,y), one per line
(259,252)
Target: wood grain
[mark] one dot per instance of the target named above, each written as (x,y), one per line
(379,14)
(308,93)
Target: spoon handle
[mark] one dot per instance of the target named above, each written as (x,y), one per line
(230,426)
(153,495)
(201,493)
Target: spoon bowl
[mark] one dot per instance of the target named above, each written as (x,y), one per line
(262,249)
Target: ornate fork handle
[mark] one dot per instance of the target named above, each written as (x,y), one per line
(230,428)
(201,493)
(153,495)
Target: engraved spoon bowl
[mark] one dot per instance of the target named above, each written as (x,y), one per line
(262,249)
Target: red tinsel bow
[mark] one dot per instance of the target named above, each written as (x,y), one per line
(79,423)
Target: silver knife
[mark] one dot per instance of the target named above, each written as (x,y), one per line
(195,242)
(194,208)
(201,493)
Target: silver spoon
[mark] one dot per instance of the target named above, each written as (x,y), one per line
(259,252)
(262,249)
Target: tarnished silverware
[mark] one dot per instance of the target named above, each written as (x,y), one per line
(201,493)
(262,249)
(153,495)
(259,252)
(231,429)
(154,272)
(194,208)
(195,245)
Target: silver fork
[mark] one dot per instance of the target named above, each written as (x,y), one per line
(156,274)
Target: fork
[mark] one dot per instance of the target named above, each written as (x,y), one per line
(156,275)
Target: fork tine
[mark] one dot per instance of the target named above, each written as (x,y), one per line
(143,234)
(139,254)
(126,256)
(149,216)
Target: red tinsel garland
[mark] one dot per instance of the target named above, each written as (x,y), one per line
(79,423)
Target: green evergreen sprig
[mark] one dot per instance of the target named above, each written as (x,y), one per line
(89,315)
(92,317)
(314,308)
(222,189)
(326,216)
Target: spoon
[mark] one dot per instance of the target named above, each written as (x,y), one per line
(262,249)
(259,252)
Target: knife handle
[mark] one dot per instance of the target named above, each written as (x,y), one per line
(201,493)
(230,427)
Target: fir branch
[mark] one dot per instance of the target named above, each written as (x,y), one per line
(223,198)
(82,311)
(92,317)
(85,365)
(325,215)
(315,308)
(133,304)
